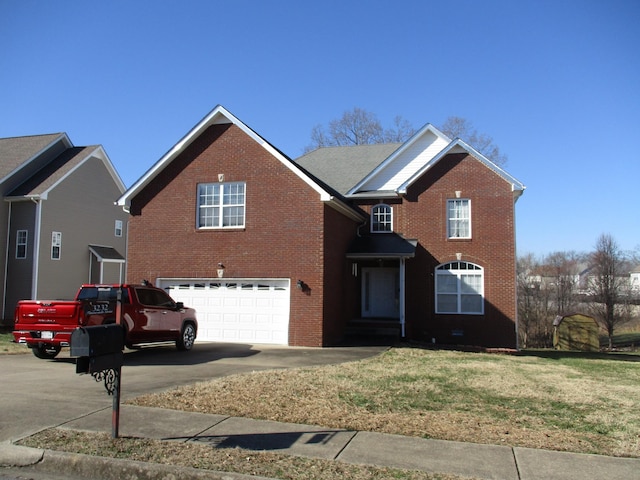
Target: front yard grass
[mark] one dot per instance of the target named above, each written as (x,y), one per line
(7,345)
(585,403)
(559,401)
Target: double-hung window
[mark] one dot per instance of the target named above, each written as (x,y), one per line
(460,288)
(21,244)
(381,218)
(56,245)
(221,205)
(459,218)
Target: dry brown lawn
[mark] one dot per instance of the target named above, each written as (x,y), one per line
(565,402)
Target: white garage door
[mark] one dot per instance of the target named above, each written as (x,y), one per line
(236,310)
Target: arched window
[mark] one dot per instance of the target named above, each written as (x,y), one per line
(460,288)
(381,218)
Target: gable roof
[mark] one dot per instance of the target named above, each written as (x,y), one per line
(15,152)
(404,162)
(376,171)
(343,167)
(47,178)
(460,146)
(220,115)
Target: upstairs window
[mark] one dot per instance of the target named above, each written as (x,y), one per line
(382,218)
(21,244)
(56,245)
(459,218)
(118,228)
(460,288)
(221,205)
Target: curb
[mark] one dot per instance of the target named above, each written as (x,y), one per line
(104,468)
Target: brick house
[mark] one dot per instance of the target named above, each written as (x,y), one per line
(418,237)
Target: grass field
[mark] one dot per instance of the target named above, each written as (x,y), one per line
(587,403)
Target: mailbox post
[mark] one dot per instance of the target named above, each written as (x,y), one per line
(99,352)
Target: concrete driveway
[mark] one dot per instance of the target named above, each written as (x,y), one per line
(37,394)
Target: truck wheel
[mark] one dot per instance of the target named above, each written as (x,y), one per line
(188,336)
(46,352)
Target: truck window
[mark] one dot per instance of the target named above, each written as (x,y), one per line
(108,294)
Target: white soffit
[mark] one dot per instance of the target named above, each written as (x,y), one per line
(404,162)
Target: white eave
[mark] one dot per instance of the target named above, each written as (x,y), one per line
(460,146)
(219,115)
(428,129)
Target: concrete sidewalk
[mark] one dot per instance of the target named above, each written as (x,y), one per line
(434,456)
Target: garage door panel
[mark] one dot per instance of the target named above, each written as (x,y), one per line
(236,310)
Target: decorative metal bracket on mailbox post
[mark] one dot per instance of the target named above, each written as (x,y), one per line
(99,352)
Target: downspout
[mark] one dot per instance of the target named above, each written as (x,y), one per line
(6,262)
(36,248)
(402,295)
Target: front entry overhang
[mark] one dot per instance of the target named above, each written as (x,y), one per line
(386,246)
(383,246)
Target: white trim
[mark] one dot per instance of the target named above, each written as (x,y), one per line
(427,128)
(220,115)
(458,144)
(448,219)
(458,274)
(36,249)
(371,218)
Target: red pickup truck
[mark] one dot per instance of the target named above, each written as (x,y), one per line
(148,315)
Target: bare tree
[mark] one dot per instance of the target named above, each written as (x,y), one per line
(535,311)
(462,128)
(609,285)
(562,270)
(359,127)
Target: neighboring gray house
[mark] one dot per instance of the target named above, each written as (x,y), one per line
(59,226)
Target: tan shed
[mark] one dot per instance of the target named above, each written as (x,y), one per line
(576,332)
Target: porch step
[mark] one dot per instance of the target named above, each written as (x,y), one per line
(373,331)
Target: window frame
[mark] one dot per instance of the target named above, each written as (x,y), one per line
(458,270)
(458,222)
(222,208)
(22,243)
(387,221)
(56,243)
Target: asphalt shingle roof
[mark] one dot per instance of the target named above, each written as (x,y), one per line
(15,151)
(52,172)
(343,167)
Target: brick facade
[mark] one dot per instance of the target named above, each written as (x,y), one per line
(290,232)
(283,237)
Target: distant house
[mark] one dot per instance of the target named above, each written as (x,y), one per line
(60,227)
(416,237)
(634,279)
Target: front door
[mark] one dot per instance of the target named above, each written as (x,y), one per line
(380,293)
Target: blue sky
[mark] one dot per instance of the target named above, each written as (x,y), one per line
(555,83)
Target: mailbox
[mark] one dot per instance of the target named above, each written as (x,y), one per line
(98,347)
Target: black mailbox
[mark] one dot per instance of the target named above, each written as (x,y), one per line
(98,347)
(97,340)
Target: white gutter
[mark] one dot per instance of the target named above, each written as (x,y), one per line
(36,248)
(6,262)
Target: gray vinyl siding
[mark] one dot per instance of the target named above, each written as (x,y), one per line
(82,209)
(20,271)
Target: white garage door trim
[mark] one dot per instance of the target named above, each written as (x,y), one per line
(236,310)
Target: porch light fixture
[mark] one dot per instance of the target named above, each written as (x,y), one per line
(300,285)
(220,270)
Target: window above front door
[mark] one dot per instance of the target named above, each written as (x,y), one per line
(381,218)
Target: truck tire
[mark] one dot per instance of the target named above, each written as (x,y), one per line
(46,352)
(187,337)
